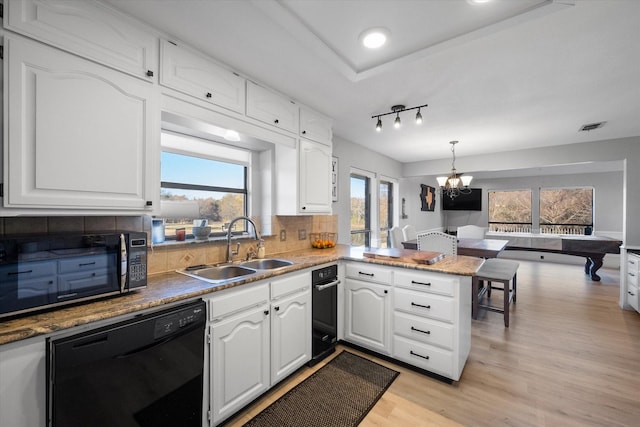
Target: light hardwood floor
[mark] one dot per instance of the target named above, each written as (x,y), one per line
(571,357)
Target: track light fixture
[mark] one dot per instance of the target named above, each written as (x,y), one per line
(397,109)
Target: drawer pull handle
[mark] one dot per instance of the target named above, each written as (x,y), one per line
(413,282)
(266,312)
(419,355)
(421,331)
(365,274)
(632,275)
(632,294)
(420,305)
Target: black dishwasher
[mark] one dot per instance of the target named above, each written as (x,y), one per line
(143,372)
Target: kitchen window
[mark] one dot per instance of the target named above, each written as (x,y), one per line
(202,180)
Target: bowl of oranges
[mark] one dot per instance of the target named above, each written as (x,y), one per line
(322,240)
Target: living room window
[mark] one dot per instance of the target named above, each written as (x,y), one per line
(510,211)
(566,210)
(203,180)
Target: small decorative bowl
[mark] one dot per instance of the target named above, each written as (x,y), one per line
(201,233)
(322,240)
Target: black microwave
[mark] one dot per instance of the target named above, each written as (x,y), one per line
(44,271)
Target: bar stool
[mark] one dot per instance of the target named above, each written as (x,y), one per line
(495,270)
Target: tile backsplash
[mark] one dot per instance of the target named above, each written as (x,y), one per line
(172,256)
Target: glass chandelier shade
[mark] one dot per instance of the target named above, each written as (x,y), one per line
(456,183)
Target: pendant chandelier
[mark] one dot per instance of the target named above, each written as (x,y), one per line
(454,184)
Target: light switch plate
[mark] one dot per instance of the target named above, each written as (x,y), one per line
(302,234)
(283,235)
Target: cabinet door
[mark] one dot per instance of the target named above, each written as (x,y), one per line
(239,361)
(315,126)
(89,29)
(82,135)
(314,177)
(290,334)
(196,75)
(271,108)
(367,315)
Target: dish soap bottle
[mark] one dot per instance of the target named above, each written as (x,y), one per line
(261,249)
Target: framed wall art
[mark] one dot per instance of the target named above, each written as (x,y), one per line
(427,198)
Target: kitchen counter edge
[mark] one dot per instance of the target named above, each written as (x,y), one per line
(171,287)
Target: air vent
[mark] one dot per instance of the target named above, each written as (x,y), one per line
(591,126)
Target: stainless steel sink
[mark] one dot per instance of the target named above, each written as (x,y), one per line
(267,263)
(218,274)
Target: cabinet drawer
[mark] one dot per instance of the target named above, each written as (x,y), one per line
(423,330)
(632,278)
(423,356)
(633,263)
(632,297)
(290,284)
(369,273)
(424,304)
(235,300)
(426,282)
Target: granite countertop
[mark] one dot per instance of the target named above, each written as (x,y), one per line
(170,287)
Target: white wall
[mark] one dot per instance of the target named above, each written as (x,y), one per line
(352,155)
(422,220)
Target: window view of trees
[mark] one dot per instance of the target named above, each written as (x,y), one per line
(566,210)
(386,212)
(510,211)
(360,228)
(562,211)
(203,189)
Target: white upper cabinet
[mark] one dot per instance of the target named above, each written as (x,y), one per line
(189,72)
(79,135)
(314,177)
(272,108)
(89,29)
(315,126)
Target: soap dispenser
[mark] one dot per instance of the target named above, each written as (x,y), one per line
(261,249)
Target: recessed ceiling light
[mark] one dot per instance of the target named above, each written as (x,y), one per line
(374,38)
(478,1)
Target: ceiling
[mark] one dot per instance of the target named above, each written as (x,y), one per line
(498,76)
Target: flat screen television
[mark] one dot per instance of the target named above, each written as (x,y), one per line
(464,202)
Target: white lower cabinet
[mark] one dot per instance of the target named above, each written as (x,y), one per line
(239,352)
(367,308)
(259,334)
(432,321)
(290,332)
(419,317)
